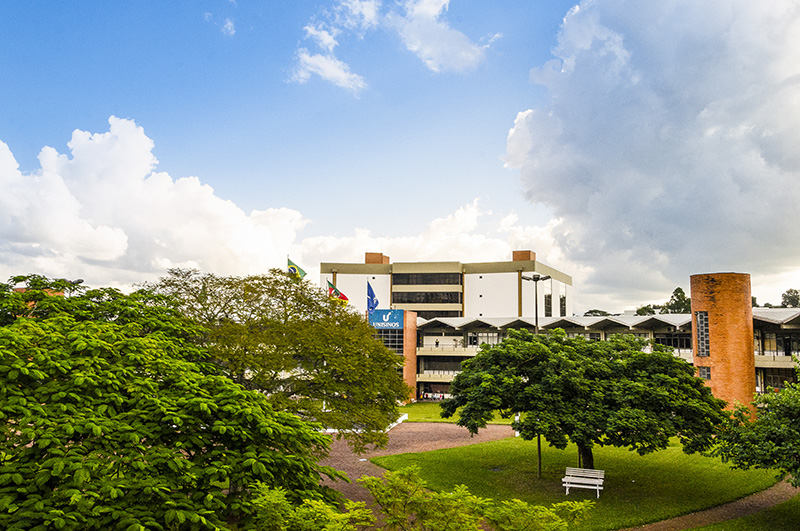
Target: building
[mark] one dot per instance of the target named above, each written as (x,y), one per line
(456,289)
(443,343)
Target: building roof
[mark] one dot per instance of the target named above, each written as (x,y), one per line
(784,317)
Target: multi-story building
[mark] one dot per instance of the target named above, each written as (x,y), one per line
(460,306)
(443,343)
(455,289)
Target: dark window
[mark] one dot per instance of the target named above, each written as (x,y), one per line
(704,373)
(392,339)
(426,297)
(563,304)
(548,305)
(702,333)
(777,378)
(433,314)
(415,279)
(677,341)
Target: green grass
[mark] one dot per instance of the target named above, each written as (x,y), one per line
(783,517)
(637,490)
(429,412)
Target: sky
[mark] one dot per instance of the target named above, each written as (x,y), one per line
(629,144)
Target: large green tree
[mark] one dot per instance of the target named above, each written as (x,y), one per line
(111,418)
(770,438)
(587,392)
(308,353)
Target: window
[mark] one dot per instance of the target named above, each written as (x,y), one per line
(676,341)
(702,333)
(548,305)
(408,279)
(563,305)
(426,297)
(392,339)
(704,373)
(433,314)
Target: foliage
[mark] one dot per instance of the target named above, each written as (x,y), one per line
(274,512)
(596,313)
(770,438)
(790,298)
(648,309)
(285,337)
(405,504)
(111,419)
(678,303)
(587,392)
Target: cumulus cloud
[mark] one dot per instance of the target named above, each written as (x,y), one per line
(668,145)
(102,212)
(428,35)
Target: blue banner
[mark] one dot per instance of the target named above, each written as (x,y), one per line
(383,319)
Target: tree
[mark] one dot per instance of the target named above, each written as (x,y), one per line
(111,417)
(768,439)
(287,338)
(790,298)
(648,309)
(596,313)
(587,392)
(678,303)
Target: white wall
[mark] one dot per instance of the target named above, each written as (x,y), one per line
(355,289)
(490,295)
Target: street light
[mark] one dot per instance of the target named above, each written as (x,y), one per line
(535,278)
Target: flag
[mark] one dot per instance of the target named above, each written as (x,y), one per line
(295,270)
(334,293)
(372,300)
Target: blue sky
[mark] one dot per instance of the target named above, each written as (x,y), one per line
(628,144)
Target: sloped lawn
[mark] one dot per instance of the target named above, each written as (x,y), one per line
(637,489)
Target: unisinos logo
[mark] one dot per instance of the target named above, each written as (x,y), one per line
(386,319)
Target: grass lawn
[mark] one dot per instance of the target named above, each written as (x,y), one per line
(429,412)
(785,517)
(637,489)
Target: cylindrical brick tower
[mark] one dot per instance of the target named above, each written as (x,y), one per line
(722,335)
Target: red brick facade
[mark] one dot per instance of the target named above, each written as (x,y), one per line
(726,300)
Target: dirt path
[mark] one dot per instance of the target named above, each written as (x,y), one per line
(403,438)
(424,436)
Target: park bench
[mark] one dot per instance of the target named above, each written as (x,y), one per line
(584,478)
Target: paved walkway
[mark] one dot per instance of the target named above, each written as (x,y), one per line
(423,436)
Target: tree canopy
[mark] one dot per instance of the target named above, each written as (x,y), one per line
(287,338)
(677,303)
(111,417)
(769,439)
(587,392)
(790,298)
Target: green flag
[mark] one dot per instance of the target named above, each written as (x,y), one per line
(295,270)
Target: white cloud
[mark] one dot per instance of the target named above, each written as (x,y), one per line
(669,143)
(325,39)
(329,68)
(426,34)
(358,14)
(102,213)
(228,28)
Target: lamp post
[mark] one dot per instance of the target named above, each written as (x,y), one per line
(536,278)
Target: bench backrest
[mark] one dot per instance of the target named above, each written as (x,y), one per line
(586,472)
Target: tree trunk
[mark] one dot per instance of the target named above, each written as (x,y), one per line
(586,457)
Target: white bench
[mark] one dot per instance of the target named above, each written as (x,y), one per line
(584,478)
